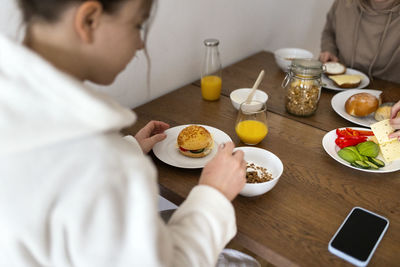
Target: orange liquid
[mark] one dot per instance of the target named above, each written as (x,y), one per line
(211,87)
(251,132)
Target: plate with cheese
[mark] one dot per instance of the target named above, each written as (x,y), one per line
(353,79)
(389,149)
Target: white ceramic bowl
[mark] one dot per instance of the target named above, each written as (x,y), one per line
(238,96)
(284,56)
(262,158)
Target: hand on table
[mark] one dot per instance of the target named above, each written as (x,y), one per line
(151,134)
(395,121)
(327,56)
(226,172)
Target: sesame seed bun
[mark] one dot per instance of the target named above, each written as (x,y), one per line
(194,138)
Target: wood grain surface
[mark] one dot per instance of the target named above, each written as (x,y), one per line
(292,224)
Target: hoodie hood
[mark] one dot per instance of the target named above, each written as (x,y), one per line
(372,8)
(39,105)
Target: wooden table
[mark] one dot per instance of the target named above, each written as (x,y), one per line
(292,224)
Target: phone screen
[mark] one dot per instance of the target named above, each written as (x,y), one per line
(359,234)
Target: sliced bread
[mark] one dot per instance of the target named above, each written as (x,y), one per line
(346,80)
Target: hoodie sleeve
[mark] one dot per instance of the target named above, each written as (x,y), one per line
(200,228)
(328,39)
(112,219)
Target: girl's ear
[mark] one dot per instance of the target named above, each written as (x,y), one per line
(87,20)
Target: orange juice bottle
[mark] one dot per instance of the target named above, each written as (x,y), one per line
(211,87)
(211,81)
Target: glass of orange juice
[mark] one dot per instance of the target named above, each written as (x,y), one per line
(251,124)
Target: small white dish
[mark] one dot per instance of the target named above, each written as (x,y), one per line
(338,102)
(238,96)
(329,84)
(284,56)
(262,158)
(167,150)
(328,142)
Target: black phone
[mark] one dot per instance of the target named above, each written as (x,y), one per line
(359,235)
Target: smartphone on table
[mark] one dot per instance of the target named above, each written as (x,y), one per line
(359,235)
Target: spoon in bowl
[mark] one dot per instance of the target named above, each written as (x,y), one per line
(255,86)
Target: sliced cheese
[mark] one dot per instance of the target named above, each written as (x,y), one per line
(391,150)
(381,130)
(390,147)
(346,79)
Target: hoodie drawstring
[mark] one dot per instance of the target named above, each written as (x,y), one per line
(380,44)
(355,40)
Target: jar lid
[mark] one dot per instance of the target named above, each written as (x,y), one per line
(307,66)
(211,42)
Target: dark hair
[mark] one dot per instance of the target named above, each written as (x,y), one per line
(50,10)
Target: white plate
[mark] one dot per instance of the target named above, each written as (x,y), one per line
(338,101)
(328,142)
(329,84)
(167,150)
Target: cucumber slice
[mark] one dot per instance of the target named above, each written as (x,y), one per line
(377,162)
(355,165)
(361,164)
(371,165)
(197,151)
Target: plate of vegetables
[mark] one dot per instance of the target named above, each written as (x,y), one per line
(355,148)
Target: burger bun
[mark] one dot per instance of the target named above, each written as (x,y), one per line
(361,104)
(195,141)
(334,68)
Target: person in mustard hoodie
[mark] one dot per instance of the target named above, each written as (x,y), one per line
(364,35)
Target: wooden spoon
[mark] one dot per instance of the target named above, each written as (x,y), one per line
(255,86)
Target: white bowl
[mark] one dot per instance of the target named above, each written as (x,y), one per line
(262,158)
(284,56)
(238,96)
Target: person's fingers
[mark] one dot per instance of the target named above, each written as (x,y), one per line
(220,147)
(395,135)
(239,155)
(244,164)
(323,57)
(395,123)
(395,109)
(334,58)
(228,148)
(160,126)
(157,138)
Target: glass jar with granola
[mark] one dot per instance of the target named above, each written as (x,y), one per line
(303,86)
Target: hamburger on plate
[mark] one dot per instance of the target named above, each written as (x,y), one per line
(195,141)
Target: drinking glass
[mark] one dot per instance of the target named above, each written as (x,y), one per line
(251,123)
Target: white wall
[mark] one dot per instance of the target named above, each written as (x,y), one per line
(175,43)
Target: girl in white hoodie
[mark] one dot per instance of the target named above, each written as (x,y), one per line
(73,192)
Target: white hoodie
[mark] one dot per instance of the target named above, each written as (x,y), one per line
(73,192)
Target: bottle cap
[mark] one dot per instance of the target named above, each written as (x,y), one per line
(211,42)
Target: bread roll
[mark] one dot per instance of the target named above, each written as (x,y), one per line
(361,104)
(384,111)
(334,68)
